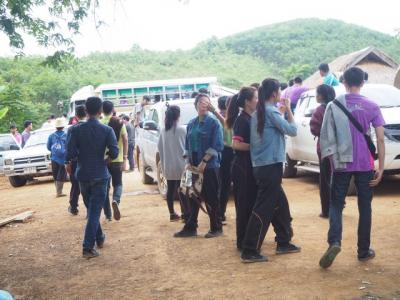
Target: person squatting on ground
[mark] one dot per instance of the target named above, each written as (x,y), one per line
(226,158)
(244,184)
(56,146)
(325,94)
(80,117)
(351,155)
(130,129)
(203,147)
(170,145)
(116,166)
(267,148)
(87,143)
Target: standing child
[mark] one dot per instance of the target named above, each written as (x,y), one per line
(325,94)
(170,145)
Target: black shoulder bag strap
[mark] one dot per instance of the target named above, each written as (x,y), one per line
(357,125)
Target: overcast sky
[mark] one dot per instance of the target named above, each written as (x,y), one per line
(173,24)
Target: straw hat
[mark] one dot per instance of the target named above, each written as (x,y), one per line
(60,123)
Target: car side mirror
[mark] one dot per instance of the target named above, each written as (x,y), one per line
(309,112)
(150,125)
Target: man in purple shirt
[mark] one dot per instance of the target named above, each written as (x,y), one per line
(367,113)
(295,92)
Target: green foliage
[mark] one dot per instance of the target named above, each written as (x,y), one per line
(3,112)
(15,99)
(282,51)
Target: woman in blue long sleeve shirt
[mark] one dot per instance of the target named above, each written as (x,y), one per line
(267,147)
(203,147)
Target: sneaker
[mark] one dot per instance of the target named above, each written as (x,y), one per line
(174,217)
(322,216)
(213,234)
(73,212)
(184,233)
(329,256)
(109,219)
(100,244)
(370,255)
(61,195)
(253,257)
(116,213)
(286,249)
(90,253)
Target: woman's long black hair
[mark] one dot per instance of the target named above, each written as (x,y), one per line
(238,101)
(116,124)
(267,88)
(171,116)
(327,93)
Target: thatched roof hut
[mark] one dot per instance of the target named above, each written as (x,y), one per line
(379,66)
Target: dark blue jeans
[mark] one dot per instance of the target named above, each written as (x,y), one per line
(340,185)
(95,192)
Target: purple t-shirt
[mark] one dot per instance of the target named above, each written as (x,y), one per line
(367,113)
(295,92)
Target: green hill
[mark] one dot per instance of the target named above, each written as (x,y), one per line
(280,50)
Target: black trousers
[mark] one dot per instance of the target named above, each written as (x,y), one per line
(245,193)
(58,171)
(325,175)
(209,194)
(75,189)
(115,169)
(269,207)
(226,179)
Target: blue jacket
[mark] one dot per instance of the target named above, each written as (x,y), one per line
(269,148)
(53,139)
(210,141)
(87,142)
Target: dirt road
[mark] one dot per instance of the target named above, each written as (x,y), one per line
(41,259)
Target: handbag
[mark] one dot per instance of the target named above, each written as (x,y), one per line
(357,125)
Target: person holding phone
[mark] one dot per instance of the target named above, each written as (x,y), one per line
(267,147)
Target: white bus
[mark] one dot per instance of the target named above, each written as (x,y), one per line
(126,95)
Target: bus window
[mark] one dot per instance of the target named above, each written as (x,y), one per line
(187,90)
(203,86)
(139,93)
(156,93)
(109,95)
(172,92)
(125,96)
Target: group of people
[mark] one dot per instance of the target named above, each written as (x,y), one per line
(240,144)
(244,143)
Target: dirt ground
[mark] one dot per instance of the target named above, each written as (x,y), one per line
(42,259)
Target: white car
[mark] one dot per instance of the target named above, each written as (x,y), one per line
(30,162)
(301,150)
(8,144)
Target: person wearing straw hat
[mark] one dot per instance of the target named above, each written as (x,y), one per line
(56,145)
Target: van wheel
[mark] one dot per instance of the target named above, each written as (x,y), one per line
(17,181)
(289,170)
(161,181)
(352,191)
(146,179)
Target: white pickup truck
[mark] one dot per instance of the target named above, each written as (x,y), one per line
(8,144)
(301,150)
(31,161)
